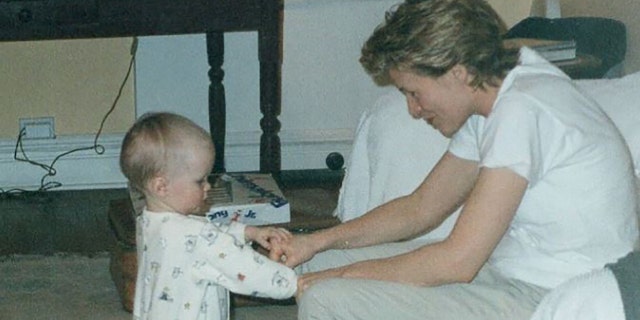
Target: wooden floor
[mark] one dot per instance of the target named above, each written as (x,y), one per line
(76,221)
(56,221)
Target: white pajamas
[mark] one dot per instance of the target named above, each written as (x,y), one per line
(186,264)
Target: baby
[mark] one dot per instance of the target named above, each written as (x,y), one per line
(186,264)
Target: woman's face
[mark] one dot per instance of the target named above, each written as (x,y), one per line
(445,102)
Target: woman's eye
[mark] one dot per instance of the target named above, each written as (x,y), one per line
(409,94)
(412,96)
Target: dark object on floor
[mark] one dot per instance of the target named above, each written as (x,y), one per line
(335,161)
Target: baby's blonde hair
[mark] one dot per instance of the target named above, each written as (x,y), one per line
(153,142)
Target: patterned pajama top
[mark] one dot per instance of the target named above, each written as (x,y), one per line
(186,265)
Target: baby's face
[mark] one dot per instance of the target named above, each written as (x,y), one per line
(187,183)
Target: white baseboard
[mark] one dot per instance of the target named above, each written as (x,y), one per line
(77,170)
(306,149)
(90,170)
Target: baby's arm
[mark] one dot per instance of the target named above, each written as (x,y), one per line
(236,266)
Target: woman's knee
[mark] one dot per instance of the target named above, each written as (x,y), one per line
(323,299)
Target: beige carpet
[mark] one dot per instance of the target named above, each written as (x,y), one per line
(58,287)
(70,286)
(64,287)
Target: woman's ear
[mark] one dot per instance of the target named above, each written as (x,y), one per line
(158,186)
(461,73)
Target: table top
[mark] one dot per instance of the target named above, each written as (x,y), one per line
(37,20)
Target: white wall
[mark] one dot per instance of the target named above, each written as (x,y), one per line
(324,89)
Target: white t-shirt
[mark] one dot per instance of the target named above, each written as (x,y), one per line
(578,212)
(186,264)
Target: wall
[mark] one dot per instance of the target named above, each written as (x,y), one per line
(623,10)
(514,11)
(324,90)
(71,80)
(76,82)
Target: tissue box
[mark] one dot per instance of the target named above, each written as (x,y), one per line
(249,198)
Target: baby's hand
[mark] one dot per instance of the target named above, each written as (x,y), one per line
(265,236)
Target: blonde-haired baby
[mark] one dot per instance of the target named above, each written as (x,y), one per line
(187,264)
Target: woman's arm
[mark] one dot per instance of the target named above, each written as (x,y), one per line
(482,223)
(442,191)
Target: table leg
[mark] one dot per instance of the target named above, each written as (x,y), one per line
(269,54)
(217,104)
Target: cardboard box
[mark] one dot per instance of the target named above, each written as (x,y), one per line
(249,198)
(123,263)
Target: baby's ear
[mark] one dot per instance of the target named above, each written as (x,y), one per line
(157,186)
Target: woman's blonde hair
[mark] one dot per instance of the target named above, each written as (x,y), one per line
(429,37)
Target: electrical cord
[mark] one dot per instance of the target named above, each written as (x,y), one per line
(50,169)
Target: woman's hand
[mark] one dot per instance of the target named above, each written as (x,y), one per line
(266,237)
(298,249)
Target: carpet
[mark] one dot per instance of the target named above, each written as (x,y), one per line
(69,286)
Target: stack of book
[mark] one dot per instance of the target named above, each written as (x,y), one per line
(552,50)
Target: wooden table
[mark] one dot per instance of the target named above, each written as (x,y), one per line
(582,67)
(75,19)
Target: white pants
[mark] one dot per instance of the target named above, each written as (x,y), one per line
(592,296)
(489,296)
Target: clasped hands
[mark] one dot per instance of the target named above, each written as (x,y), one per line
(293,250)
(281,245)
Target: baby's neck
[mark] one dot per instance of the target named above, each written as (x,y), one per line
(156,205)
